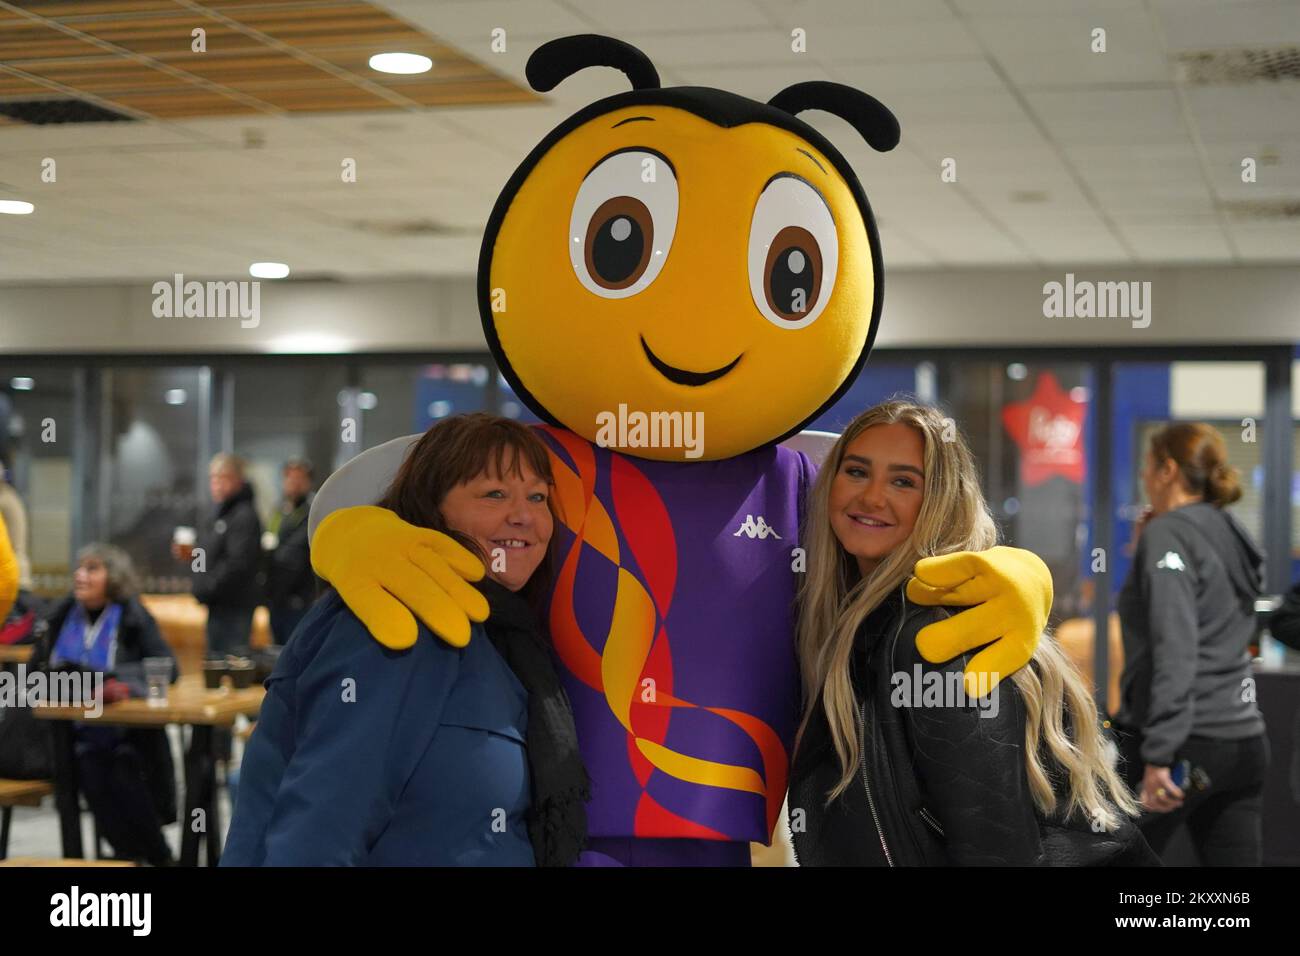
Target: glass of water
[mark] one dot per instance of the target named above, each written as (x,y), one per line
(158,672)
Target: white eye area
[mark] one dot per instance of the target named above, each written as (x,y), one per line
(623,221)
(793,253)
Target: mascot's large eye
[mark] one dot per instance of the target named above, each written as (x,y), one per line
(793,253)
(623,222)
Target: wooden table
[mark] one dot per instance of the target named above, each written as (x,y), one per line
(188,703)
(43,861)
(16,653)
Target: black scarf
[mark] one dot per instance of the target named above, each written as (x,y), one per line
(557,823)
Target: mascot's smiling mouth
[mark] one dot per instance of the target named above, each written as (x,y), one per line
(682,377)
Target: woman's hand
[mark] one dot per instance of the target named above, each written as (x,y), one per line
(1143,520)
(1012,592)
(1159,793)
(115,691)
(382,566)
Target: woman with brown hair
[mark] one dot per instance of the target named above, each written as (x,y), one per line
(433,755)
(1192,737)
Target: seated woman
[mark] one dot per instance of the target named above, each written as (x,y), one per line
(435,755)
(897,762)
(126,774)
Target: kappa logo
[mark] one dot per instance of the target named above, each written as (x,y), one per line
(1172,562)
(756,529)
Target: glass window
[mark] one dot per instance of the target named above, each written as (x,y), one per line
(38,432)
(285,411)
(510,405)
(1029,426)
(878,381)
(153,473)
(397,400)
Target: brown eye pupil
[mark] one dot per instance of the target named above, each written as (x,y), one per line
(792,277)
(618,242)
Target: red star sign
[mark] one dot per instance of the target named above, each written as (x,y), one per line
(1048,427)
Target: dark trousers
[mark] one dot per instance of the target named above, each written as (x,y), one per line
(229,629)
(1224,820)
(117,790)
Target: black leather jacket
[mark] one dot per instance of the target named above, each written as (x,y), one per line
(936,785)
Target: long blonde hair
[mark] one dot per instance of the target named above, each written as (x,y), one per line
(835,599)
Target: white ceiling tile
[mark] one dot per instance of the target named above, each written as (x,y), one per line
(855,12)
(1178,243)
(619,17)
(1210,24)
(1057,51)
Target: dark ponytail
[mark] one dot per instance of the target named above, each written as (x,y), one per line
(1202,460)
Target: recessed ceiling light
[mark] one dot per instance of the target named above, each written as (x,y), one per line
(15,207)
(400,63)
(22,383)
(175,396)
(268,270)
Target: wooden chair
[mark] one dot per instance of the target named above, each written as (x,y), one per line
(183,623)
(18,793)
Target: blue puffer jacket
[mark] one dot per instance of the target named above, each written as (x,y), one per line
(372,757)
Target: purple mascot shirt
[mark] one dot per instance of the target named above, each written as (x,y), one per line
(673,617)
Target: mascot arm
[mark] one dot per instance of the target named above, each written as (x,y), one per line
(8,573)
(1011,590)
(385,569)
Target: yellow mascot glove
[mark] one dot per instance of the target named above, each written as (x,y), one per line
(381,566)
(1011,590)
(8,573)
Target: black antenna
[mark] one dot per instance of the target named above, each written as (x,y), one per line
(866,114)
(558,60)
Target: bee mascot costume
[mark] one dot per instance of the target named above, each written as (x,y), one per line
(692,258)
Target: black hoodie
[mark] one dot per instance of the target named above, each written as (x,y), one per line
(1188,616)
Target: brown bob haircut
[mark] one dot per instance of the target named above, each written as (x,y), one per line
(459,449)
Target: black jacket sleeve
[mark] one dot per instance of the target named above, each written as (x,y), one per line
(969,757)
(1166,570)
(291,564)
(1285,622)
(147,641)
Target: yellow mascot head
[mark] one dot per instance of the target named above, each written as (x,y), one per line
(684,250)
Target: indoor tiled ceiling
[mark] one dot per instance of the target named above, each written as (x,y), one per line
(1064,156)
(181,59)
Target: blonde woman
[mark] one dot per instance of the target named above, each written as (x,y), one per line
(898,761)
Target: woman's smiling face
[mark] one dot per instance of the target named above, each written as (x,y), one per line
(876,494)
(509,519)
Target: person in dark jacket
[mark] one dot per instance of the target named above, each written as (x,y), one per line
(1187,610)
(126,774)
(290,581)
(224,566)
(435,755)
(904,761)
(1284,624)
